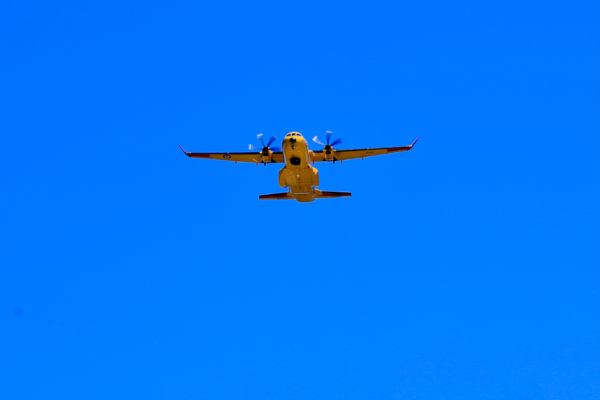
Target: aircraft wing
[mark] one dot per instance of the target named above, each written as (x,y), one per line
(251,157)
(341,155)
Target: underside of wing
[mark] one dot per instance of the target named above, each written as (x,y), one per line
(342,155)
(250,157)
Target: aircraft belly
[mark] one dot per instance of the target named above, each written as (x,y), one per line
(304,198)
(298,177)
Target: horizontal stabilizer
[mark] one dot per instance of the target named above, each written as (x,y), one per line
(331,195)
(317,194)
(276,196)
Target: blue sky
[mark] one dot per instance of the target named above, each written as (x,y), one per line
(464,269)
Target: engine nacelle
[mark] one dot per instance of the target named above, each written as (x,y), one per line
(267,156)
(329,154)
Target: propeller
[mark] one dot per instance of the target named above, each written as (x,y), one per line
(328,138)
(265,146)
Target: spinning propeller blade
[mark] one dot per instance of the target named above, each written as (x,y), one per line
(328,136)
(269,143)
(316,140)
(273,138)
(260,139)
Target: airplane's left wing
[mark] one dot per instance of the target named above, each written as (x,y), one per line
(251,157)
(341,155)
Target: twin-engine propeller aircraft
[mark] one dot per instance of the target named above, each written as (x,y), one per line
(298,174)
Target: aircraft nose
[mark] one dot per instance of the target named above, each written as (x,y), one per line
(293,140)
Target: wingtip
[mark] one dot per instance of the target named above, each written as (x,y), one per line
(184,152)
(415,142)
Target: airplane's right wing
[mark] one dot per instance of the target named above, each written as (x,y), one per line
(250,157)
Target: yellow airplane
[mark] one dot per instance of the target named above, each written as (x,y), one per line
(298,174)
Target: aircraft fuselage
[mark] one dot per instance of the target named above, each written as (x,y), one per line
(298,174)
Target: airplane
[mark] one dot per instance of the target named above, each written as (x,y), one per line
(298,174)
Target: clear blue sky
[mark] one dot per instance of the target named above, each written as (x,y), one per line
(467,268)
